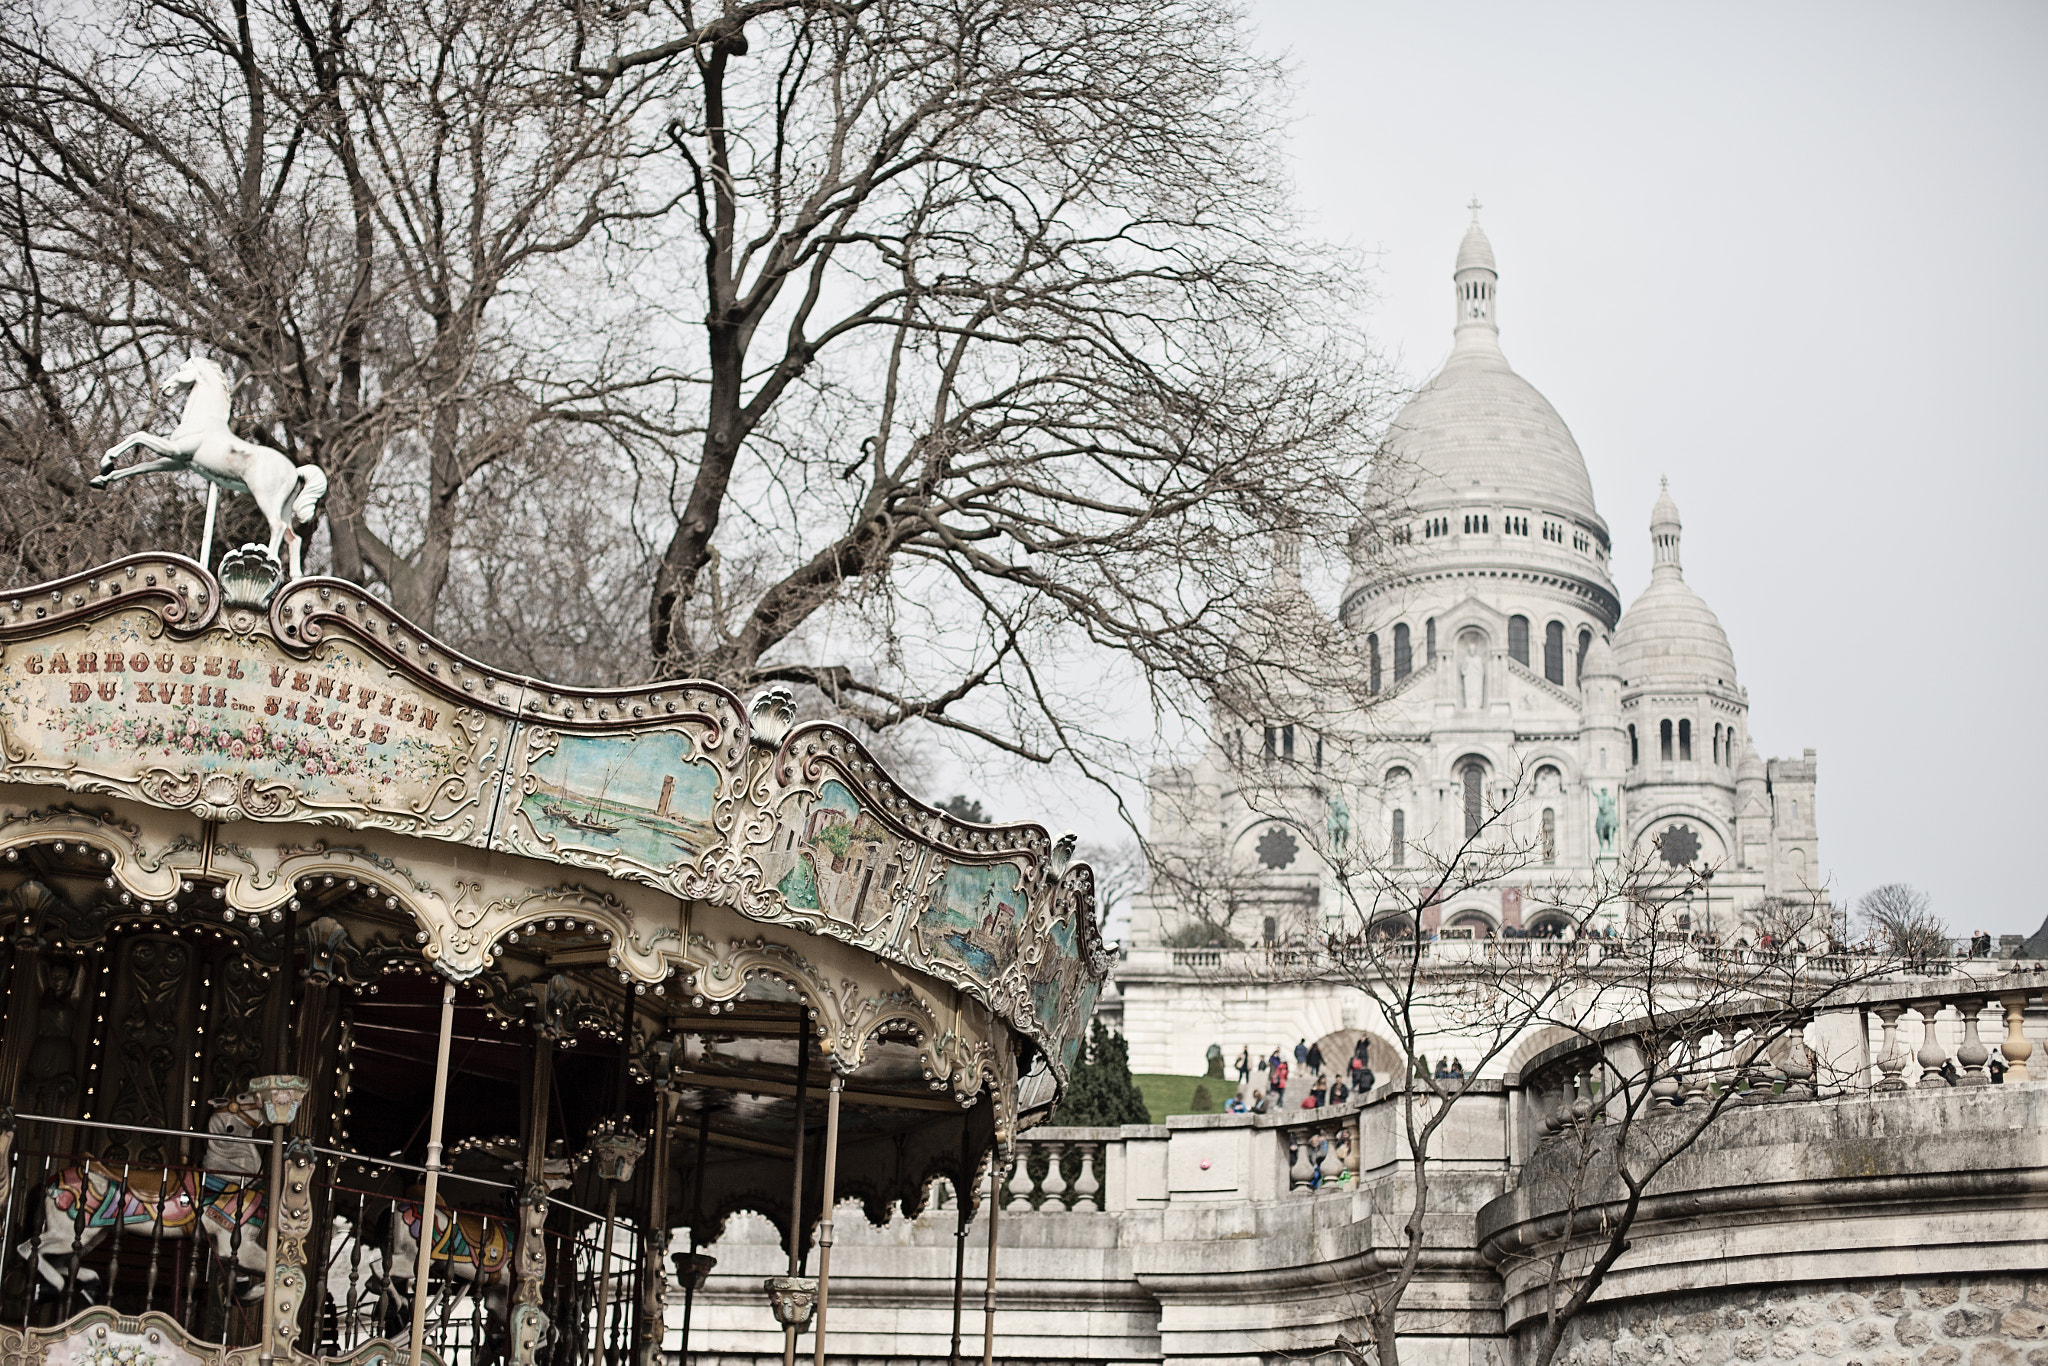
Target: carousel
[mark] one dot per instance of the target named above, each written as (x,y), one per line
(365,1004)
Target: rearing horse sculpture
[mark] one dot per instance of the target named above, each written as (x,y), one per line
(287,493)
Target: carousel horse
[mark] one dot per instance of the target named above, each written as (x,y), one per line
(472,1248)
(222,1200)
(287,493)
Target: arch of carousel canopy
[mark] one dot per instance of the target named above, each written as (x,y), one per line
(237,844)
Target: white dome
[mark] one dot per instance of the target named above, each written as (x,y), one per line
(1478,431)
(1669,634)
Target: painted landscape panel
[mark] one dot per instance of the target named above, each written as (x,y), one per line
(641,796)
(977,917)
(831,855)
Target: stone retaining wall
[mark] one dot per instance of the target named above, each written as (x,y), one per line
(1934,1321)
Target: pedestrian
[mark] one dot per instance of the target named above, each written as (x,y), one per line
(1320,1092)
(1301,1052)
(1366,1081)
(1352,1069)
(1457,1070)
(1244,1065)
(1443,1069)
(1258,1102)
(1315,1057)
(1996,1067)
(1279,1075)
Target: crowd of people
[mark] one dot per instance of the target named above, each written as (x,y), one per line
(1307,1077)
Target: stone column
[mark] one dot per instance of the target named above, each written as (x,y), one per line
(1891,1058)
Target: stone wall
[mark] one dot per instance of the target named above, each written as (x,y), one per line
(1987,1320)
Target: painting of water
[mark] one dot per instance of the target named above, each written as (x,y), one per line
(642,796)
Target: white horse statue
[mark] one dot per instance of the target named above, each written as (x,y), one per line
(287,493)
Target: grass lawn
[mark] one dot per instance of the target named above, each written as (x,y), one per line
(1168,1095)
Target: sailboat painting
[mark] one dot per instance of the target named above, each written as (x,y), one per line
(641,796)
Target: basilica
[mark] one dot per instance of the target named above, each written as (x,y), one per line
(1507,684)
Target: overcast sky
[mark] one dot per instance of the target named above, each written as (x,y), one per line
(1786,255)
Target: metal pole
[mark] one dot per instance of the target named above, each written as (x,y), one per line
(430,1197)
(270,1204)
(796,1180)
(206,536)
(696,1221)
(995,1208)
(825,1222)
(959,1270)
(963,1192)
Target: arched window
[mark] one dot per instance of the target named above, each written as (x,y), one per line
(1635,753)
(1717,742)
(1549,835)
(1404,653)
(1397,847)
(1272,929)
(1475,798)
(1585,644)
(1287,743)
(1685,739)
(1372,663)
(1553,652)
(1518,639)
(1664,741)
(1429,642)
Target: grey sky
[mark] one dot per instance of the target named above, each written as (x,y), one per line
(1785,255)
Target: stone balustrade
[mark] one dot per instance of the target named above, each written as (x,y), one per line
(1928,1033)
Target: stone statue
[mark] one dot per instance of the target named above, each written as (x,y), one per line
(287,493)
(1606,823)
(1339,823)
(1472,677)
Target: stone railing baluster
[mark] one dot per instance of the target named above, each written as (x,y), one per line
(1971,1054)
(1300,1171)
(1931,1055)
(2016,1047)
(1020,1177)
(1054,1199)
(1891,1057)
(1797,1064)
(1087,1190)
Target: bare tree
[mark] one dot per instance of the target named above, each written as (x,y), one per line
(1010,355)
(374,214)
(1901,918)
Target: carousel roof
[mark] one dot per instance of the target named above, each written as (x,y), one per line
(759,896)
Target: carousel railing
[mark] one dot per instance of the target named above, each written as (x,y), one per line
(186,1239)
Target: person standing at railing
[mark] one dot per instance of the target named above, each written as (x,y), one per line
(1319,1094)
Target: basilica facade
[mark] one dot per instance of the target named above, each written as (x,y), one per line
(1509,687)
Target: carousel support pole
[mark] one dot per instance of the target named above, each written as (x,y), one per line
(430,1197)
(963,1193)
(796,1180)
(611,1198)
(696,1221)
(530,1264)
(825,1221)
(995,1208)
(276,1306)
(654,1237)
